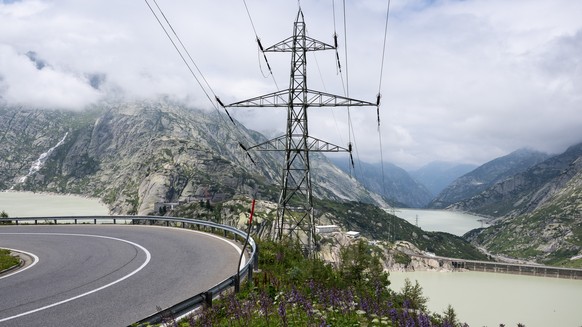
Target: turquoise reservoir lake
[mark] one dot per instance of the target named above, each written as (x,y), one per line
(489,299)
(28,204)
(457,223)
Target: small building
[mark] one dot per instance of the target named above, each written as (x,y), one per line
(324,229)
(160,207)
(353,234)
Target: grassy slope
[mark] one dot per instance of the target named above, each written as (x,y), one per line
(375,223)
(6,260)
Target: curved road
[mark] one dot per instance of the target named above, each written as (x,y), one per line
(107,275)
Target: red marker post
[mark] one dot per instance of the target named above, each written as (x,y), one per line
(252,212)
(237,281)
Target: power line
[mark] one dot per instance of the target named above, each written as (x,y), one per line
(384,47)
(351,133)
(197,69)
(177,49)
(379,96)
(261,49)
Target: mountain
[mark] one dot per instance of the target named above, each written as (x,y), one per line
(526,191)
(132,155)
(487,175)
(542,212)
(394,183)
(437,175)
(135,154)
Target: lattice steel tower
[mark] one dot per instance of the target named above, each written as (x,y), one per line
(295,216)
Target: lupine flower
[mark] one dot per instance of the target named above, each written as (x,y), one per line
(282,310)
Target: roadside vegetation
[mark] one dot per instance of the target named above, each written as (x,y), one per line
(291,290)
(6,260)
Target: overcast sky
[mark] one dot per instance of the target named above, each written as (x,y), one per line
(463,81)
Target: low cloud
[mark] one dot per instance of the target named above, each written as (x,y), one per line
(28,81)
(464,81)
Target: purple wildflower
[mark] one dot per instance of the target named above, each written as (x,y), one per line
(282,310)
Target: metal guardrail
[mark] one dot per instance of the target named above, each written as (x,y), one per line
(190,304)
(510,268)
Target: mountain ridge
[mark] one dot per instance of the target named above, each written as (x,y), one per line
(437,175)
(134,154)
(539,210)
(487,175)
(389,180)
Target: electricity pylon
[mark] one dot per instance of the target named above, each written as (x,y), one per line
(295,215)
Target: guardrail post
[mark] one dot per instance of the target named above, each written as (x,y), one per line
(36,222)
(114,221)
(208,299)
(75,221)
(237,283)
(250,275)
(55,221)
(256,257)
(94,221)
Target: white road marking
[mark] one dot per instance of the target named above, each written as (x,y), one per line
(238,249)
(148,258)
(34,262)
(233,244)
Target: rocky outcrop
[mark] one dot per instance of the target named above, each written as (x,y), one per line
(399,256)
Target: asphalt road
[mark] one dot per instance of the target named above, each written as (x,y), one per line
(107,275)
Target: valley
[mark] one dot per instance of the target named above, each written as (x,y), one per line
(134,155)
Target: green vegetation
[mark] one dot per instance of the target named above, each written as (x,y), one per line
(7,260)
(375,223)
(3,214)
(528,236)
(291,290)
(402,258)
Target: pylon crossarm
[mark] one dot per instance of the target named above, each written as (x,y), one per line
(314,99)
(313,144)
(288,45)
(317,145)
(322,99)
(276,144)
(275,99)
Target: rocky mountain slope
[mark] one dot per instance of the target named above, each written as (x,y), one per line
(132,155)
(487,175)
(394,183)
(541,212)
(526,191)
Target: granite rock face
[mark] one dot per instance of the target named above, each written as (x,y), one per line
(132,155)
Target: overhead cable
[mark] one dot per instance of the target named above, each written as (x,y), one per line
(382,64)
(202,86)
(261,49)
